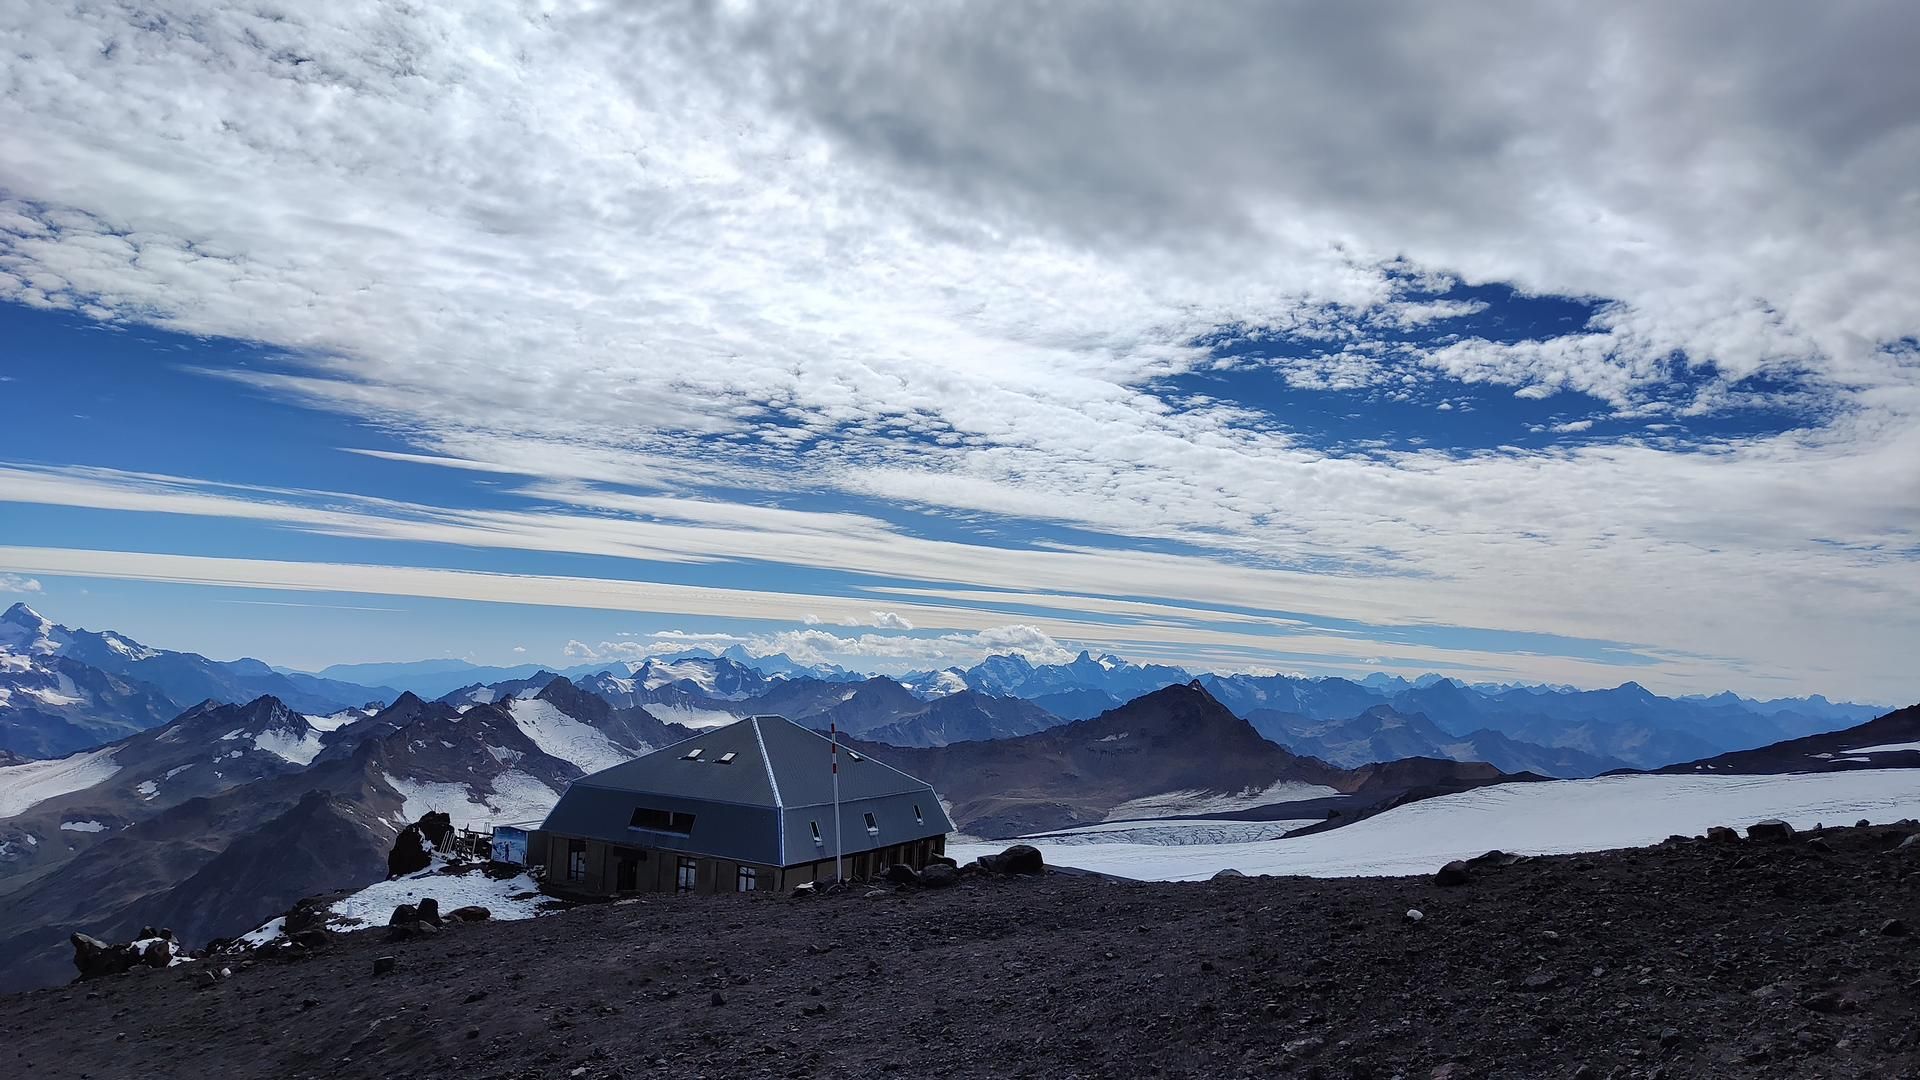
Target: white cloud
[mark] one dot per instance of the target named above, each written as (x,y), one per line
(1573,426)
(898,253)
(888,620)
(16,583)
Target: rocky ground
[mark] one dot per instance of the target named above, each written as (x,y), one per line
(1698,959)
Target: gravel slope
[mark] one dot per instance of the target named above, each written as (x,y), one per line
(1692,960)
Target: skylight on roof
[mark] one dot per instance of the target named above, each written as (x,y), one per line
(855,755)
(726,758)
(692,754)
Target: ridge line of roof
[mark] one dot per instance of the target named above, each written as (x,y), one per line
(766,762)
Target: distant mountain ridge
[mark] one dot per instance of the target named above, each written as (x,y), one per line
(63,689)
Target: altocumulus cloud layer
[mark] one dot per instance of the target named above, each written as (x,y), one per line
(968,259)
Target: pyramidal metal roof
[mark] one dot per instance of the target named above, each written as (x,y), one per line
(767,779)
(776,763)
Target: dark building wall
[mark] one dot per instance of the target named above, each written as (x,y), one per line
(602,869)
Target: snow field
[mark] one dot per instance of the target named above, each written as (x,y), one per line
(1555,817)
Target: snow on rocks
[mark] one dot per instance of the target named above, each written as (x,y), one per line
(299,747)
(517,897)
(516,796)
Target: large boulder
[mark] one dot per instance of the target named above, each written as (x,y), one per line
(1770,829)
(307,913)
(409,854)
(939,876)
(902,874)
(1452,874)
(470,913)
(1018,859)
(93,958)
(1720,834)
(157,953)
(404,915)
(428,910)
(435,826)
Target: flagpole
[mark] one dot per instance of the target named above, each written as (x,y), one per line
(833,737)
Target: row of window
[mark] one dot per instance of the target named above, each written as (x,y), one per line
(873,824)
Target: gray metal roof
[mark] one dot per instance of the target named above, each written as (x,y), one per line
(761,805)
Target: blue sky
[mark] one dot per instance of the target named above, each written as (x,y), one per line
(1361,366)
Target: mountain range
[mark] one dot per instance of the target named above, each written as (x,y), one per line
(226,812)
(63,690)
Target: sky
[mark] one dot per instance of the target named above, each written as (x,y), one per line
(1519,342)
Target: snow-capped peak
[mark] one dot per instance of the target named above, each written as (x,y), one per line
(24,630)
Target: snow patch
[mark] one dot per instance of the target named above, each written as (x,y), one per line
(271,931)
(298,747)
(516,796)
(23,786)
(335,721)
(83,826)
(1554,817)
(513,898)
(689,716)
(561,736)
(1885,748)
(147,788)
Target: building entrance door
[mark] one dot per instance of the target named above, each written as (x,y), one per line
(627,872)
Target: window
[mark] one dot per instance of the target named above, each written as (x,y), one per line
(855,756)
(918,817)
(687,875)
(726,758)
(746,879)
(872,825)
(576,860)
(673,821)
(816,833)
(691,755)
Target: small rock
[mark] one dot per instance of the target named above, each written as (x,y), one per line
(1893,928)
(1454,873)
(1539,981)
(473,1033)
(939,876)
(1720,834)
(470,913)
(902,874)
(1829,1001)
(1770,829)
(1911,841)
(1226,874)
(1819,845)
(1414,914)
(382,964)
(1670,1037)
(718,998)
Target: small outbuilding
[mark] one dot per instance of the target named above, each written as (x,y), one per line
(744,807)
